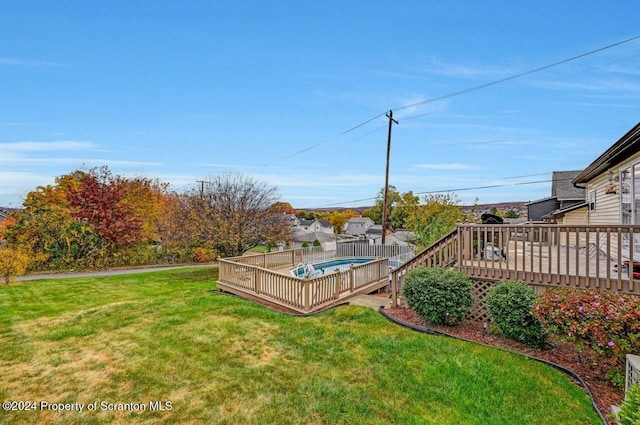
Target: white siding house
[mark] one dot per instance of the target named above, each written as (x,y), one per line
(612,183)
(358,225)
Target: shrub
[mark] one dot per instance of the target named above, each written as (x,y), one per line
(510,305)
(440,296)
(605,321)
(630,410)
(203,255)
(13,263)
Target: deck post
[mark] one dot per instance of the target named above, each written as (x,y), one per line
(306,294)
(352,279)
(338,285)
(394,290)
(258,284)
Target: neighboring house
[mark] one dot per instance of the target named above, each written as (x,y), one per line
(358,225)
(3,214)
(306,232)
(400,237)
(374,234)
(564,196)
(315,225)
(612,185)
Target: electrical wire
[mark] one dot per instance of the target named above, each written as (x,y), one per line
(461,92)
(493,186)
(493,83)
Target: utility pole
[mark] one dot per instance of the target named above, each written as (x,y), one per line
(202,182)
(386,179)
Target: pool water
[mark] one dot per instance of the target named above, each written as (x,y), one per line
(325,267)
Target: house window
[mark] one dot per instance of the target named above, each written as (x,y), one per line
(626,211)
(636,194)
(592,200)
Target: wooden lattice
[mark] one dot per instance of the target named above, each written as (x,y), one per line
(479,311)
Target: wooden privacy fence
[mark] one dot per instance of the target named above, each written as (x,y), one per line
(255,276)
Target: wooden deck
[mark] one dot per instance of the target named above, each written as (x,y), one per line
(544,256)
(267,277)
(541,255)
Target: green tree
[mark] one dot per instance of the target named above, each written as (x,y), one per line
(405,206)
(495,211)
(308,215)
(511,214)
(375,212)
(435,218)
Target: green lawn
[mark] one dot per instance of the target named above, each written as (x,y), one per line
(165,336)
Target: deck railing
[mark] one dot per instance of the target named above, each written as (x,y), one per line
(583,256)
(442,253)
(603,257)
(254,276)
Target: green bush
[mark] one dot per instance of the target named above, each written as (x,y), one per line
(630,410)
(510,305)
(440,296)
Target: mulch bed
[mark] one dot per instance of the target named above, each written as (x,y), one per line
(591,367)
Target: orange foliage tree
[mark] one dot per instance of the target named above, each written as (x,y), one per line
(13,263)
(85,218)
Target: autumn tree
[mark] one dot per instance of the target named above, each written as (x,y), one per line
(174,223)
(232,213)
(82,220)
(45,228)
(13,263)
(122,211)
(283,207)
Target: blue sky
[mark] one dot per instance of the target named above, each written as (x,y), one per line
(180,91)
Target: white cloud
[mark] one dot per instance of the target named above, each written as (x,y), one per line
(61,145)
(441,67)
(15,160)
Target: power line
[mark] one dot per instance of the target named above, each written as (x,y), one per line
(460,92)
(493,83)
(493,186)
(483,187)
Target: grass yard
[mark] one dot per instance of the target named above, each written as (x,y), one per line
(165,337)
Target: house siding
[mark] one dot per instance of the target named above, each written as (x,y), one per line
(576,217)
(536,210)
(607,209)
(579,216)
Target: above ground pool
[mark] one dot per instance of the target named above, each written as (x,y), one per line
(325,267)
